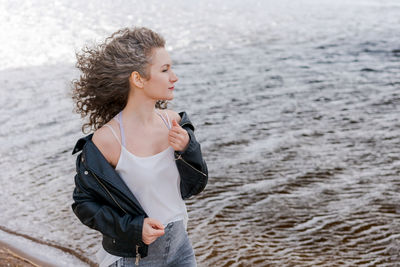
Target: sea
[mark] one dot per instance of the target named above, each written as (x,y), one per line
(295,103)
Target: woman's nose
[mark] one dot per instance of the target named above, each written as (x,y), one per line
(174,78)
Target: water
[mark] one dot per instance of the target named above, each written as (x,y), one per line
(296,107)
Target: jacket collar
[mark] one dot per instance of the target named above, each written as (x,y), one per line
(185,120)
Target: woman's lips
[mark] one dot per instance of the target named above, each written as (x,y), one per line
(171,88)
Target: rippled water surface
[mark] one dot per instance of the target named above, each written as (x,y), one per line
(296,105)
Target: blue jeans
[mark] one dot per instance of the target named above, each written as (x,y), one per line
(171,249)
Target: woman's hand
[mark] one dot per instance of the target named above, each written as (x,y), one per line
(178,137)
(152,229)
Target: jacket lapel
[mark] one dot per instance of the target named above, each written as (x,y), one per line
(95,162)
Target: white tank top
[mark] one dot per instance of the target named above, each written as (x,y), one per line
(155,182)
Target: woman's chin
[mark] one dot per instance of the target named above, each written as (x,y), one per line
(169,98)
(165,98)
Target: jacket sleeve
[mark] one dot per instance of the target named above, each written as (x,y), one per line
(191,166)
(92,211)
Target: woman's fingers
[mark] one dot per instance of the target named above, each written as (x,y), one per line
(175,134)
(157,233)
(152,229)
(173,140)
(178,137)
(176,127)
(174,122)
(177,144)
(157,228)
(155,223)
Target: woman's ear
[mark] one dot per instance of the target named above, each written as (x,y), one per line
(136,79)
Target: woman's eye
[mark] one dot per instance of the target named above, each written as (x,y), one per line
(165,70)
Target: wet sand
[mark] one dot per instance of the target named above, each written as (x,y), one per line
(18,249)
(12,257)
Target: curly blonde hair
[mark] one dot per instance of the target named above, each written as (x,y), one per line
(103,87)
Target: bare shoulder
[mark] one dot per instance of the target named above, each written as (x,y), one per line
(107,143)
(173,115)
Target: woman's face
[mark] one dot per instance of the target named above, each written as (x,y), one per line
(160,86)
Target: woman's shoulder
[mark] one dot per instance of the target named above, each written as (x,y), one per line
(107,142)
(104,135)
(173,115)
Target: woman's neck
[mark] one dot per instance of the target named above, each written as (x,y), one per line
(140,110)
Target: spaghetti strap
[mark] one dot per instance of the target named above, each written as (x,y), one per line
(166,122)
(113,132)
(121,127)
(169,121)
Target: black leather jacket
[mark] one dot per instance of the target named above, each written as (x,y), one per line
(103,201)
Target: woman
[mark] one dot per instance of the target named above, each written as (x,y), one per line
(142,160)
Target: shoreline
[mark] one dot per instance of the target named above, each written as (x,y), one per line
(18,249)
(11,256)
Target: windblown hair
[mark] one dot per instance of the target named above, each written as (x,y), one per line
(103,87)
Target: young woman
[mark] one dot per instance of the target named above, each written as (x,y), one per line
(142,160)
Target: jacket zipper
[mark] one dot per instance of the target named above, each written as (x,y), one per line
(180,157)
(116,202)
(137,255)
(98,180)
